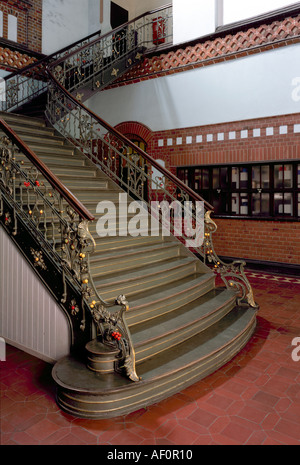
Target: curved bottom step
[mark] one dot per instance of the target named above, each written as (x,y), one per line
(86,394)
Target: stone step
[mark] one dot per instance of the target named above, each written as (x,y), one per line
(75,171)
(57,150)
(56,160)
(114,244)
(21,129)
(131,282)
(44,140)
(83,393)
(14,118)
(166,331)
(128,259)
(86,184)
(147,305)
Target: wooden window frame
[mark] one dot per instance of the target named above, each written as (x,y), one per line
(226,191)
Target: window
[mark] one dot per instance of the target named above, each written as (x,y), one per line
(235,10)
(12,33)
(257,190)
(1,23)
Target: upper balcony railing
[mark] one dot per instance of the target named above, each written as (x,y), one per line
(105,58)
(31,81)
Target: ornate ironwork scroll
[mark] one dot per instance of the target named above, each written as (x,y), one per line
(232,274)
(113,331)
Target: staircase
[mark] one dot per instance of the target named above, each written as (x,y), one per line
(146,316)
(182,326)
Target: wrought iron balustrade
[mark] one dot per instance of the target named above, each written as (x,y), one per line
(24,85)
(91,59)
(32,196)
(104,59)
(129,166)
(144,180)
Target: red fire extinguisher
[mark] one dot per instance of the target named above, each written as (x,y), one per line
(159,30)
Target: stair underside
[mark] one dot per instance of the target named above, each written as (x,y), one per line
(182,327)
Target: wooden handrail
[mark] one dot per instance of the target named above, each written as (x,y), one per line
(145,155)
(47,173)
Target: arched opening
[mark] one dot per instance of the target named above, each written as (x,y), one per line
(132,171)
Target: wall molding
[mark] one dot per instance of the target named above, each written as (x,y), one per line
(253,130)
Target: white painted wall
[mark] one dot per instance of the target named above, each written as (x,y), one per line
(30,319)
(193,19)
(251,87)
(138,7)
(235,10)
(66,21)
(149,5)
(4,73)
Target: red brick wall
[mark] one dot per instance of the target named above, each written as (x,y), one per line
(29,22)
(262,240)
(265,147)
(259,240)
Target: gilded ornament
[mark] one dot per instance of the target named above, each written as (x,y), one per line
(115,72)
(38,259)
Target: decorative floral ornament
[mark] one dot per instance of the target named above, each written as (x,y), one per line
(7,219)
(79,97)
(114,72)
(38,259)
(74,307)
(116,335)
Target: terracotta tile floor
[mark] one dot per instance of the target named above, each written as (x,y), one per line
(254,399)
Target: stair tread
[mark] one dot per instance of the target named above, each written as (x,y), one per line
(32,121)
(141,273)
(23,127)
(62,149)
(174,362)
(119,241)
(181,317)
(166,291)
(56,160)
(95,258)
(86,179)
(49,139)
(87,169)
(200,346)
